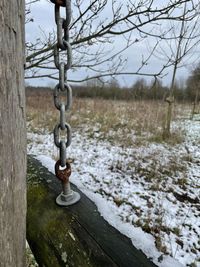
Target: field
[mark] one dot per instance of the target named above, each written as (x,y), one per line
(145,186)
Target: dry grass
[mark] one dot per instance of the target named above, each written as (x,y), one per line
(128,123)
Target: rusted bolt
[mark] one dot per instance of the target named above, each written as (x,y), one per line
(59,2)
(63,175)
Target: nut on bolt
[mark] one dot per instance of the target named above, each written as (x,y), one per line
(67,197)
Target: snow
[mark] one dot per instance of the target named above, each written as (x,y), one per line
(138,188)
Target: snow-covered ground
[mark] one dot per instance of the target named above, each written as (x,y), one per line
(150,192)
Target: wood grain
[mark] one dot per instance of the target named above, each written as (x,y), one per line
(12,135)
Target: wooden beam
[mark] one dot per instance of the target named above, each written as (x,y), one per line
(72,236)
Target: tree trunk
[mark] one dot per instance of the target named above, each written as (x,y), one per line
(195,103)
(12,135)
(167,127)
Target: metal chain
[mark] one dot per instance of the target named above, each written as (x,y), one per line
(63,87)
(67,196)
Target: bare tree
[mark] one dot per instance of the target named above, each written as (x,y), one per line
(12,135)
(179,51)
(96,27)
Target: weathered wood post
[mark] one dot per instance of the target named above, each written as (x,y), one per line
(12,135)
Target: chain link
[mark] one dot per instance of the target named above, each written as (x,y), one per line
(63,87)
(57,95)
(57,56)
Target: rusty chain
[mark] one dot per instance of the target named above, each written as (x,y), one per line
(63,87)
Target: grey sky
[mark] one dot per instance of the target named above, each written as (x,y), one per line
(43,15)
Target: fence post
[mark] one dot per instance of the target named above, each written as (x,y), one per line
(12,135)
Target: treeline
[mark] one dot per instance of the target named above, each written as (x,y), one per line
(140,90)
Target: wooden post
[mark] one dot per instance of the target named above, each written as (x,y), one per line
(12,135)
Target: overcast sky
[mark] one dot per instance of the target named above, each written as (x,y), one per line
(43,22)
